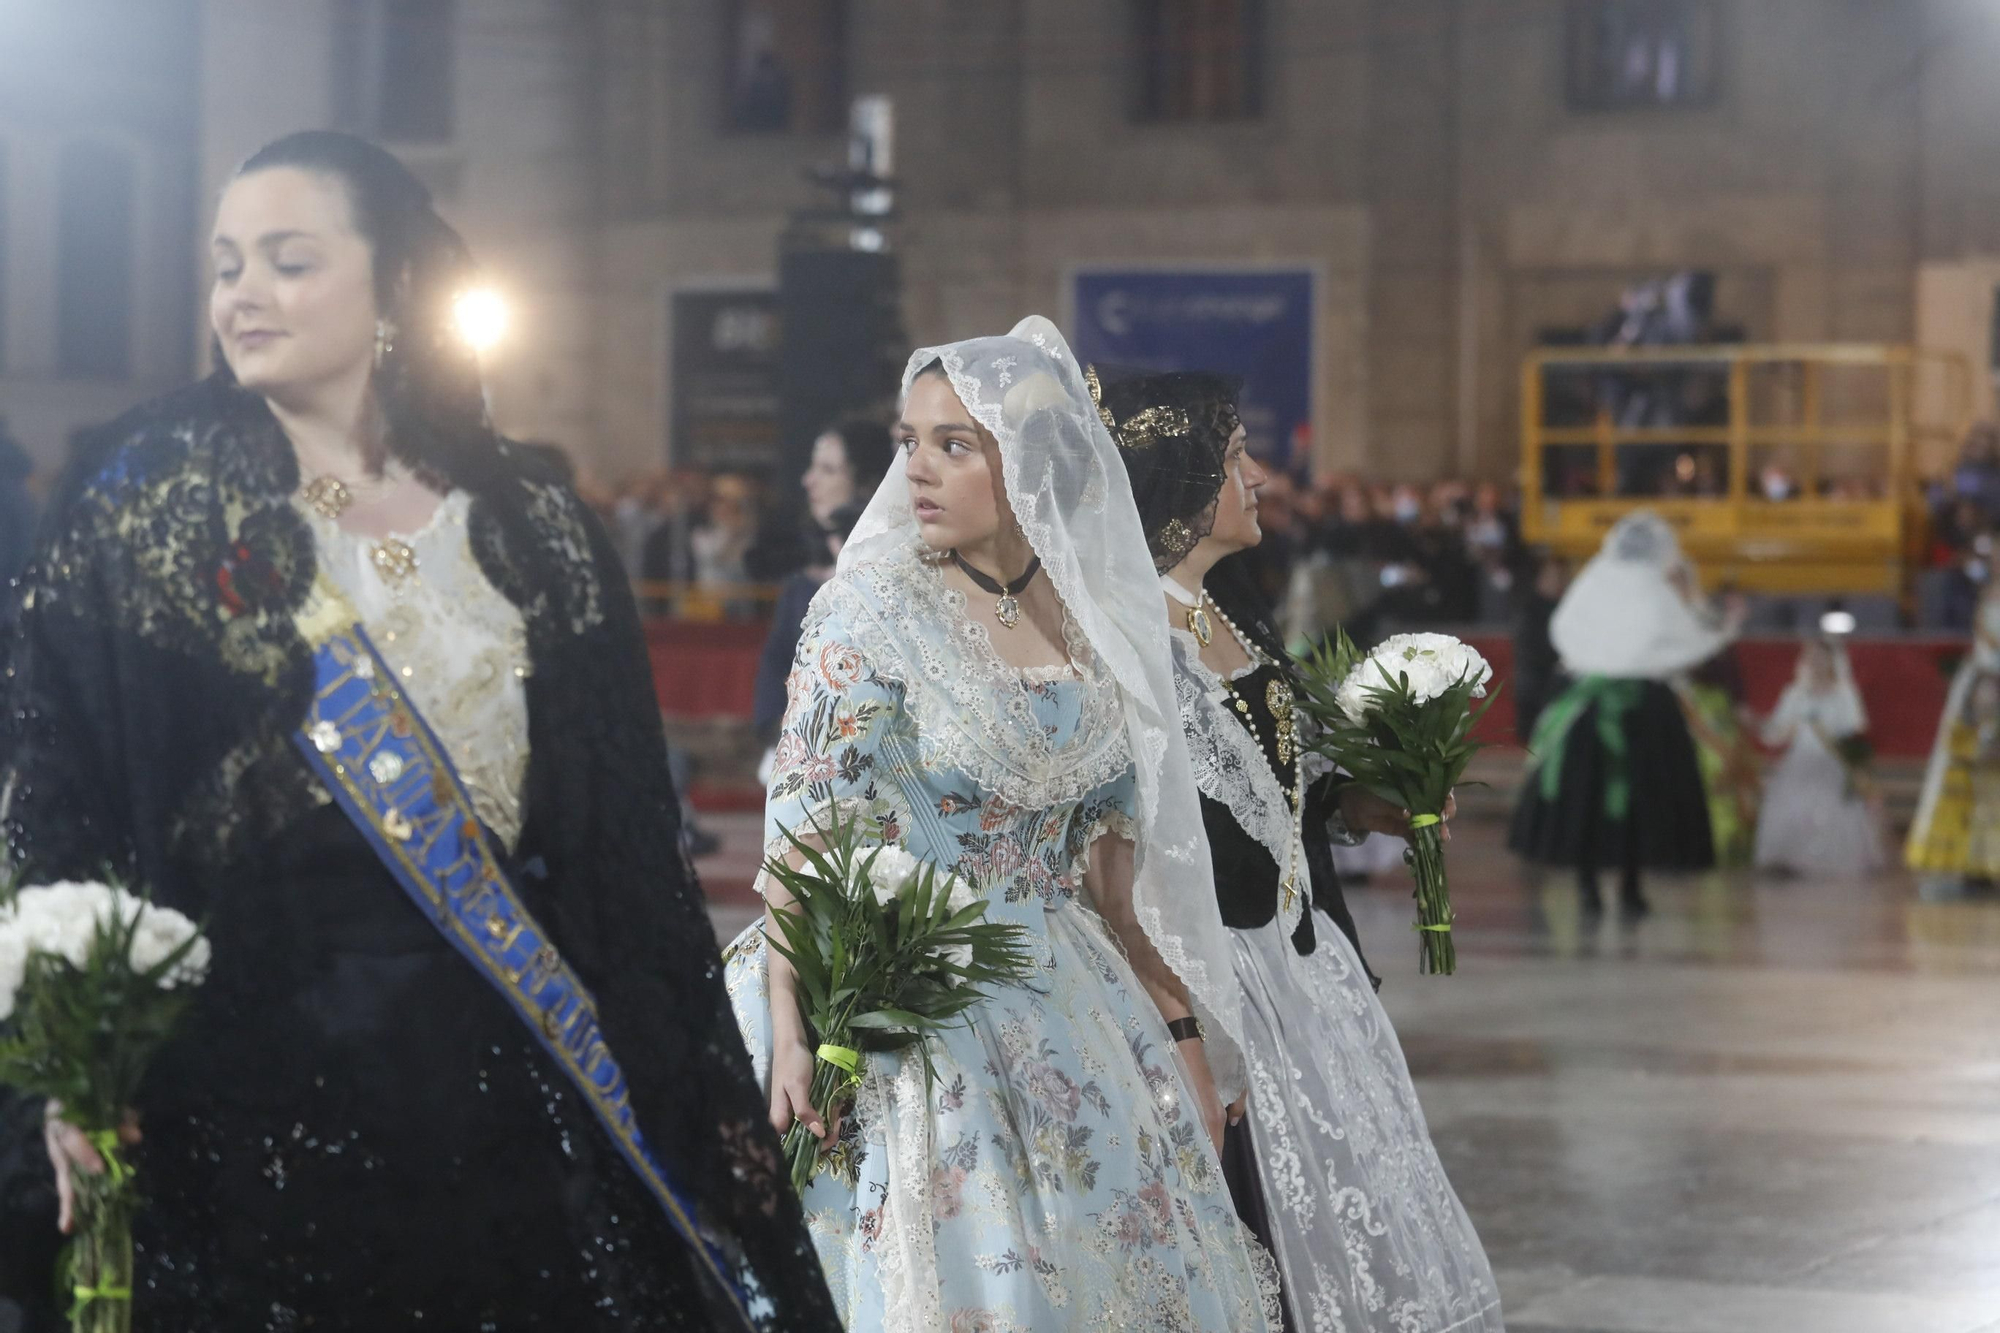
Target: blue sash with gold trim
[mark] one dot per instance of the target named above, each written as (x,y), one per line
(389,773)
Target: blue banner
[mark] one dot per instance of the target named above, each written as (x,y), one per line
(1253,324)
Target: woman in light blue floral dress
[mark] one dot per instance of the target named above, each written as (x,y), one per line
(1060,1173)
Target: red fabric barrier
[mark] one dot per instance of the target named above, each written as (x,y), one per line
(704,669)
(1902,681)
(707,669)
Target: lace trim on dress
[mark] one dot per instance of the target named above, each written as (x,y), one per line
(1231,768)
(972,708)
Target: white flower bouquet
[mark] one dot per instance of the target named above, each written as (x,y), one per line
(92,981)
(887,950)
(1400,720)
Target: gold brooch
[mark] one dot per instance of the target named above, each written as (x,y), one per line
(328,496)
(394,560)
(1177,538)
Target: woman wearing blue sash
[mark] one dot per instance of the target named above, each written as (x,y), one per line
(312,654)
(975,684)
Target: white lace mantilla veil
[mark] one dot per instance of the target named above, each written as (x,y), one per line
(1623,616)
(1069,491)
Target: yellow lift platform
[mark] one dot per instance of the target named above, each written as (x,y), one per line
(1840,421)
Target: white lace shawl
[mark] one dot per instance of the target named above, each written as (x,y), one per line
(1069,492)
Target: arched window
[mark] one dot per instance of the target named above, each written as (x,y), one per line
(96,193)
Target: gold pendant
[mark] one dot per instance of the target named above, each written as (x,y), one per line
(1007,611)
(394,561)
(1199,626)
(1279,697)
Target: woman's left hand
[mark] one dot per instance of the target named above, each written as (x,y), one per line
(1365,812)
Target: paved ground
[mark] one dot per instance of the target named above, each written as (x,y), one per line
(1771,1106)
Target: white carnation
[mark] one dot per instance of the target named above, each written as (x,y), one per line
(1432,663)
(62,920)
(892,871)
(962,895)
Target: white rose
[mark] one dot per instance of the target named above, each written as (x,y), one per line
(892,871)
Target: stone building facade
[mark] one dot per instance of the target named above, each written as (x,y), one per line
(1437,165)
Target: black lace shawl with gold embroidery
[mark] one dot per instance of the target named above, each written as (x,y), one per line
(152,688)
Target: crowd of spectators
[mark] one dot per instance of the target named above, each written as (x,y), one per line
(1374,555)
(1964,517)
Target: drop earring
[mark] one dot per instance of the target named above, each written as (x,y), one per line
(385,341)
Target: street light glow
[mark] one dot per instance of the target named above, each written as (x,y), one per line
(482,317)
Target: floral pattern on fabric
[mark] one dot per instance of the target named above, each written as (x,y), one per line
(1053,1175)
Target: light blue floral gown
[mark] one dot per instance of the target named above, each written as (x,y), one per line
(1056,1175)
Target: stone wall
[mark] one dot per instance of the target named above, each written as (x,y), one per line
(1420,155)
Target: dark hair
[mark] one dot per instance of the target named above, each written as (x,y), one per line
(427,383)
(869,451)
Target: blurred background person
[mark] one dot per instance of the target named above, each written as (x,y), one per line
(848,463)
(1613,778)
(1954,840)
(1819,814)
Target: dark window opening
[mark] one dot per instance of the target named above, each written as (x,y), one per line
(787,67)
(1635,54)
(394,69)
(96,191)
(1198,60)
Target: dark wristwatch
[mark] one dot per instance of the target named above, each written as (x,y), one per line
(1186,1029)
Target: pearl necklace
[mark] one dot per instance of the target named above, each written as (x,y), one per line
(1278,697)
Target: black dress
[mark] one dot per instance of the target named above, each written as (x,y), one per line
(1579,817)
(353,1130)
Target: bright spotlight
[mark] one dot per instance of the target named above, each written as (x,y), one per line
(481,314)
(1837,622)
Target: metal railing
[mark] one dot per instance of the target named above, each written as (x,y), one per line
(1802,405)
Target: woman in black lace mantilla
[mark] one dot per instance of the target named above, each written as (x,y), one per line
(354,1129)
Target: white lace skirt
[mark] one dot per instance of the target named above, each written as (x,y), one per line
(1367,1231)
(1809,822)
